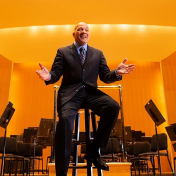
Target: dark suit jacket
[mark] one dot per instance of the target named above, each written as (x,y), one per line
(68,64)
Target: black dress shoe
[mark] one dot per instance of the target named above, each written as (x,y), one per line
(62,174)
(97,160)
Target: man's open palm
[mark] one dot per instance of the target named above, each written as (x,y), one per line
(43,73)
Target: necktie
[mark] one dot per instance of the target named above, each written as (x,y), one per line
(82,54)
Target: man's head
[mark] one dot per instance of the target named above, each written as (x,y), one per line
(81,33)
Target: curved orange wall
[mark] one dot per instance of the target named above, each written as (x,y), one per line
(34,100)
(5,72)
(169,77)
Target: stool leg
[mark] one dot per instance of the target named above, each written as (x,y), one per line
(75,153)
(94,126)
(88,142)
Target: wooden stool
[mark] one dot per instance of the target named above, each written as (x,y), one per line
(87,142)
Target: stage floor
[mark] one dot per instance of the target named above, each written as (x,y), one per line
(151,174)
(142,174)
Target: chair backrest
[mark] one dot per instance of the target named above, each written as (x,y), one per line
(38,150)
(11,145)
(112,147)
(141,147)
(162,141)
(130,149)
(24,149)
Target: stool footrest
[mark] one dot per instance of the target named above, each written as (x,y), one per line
(79,142)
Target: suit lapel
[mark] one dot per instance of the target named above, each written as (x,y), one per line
(88,55)
(75,54)
(77,57)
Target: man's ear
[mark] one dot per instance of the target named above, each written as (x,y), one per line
(73,34)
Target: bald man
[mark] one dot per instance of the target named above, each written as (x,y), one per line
(80,65)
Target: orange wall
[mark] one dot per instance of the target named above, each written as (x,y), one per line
(5,72)
(168,70)
(34,100)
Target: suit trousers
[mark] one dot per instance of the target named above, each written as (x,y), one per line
(97,101)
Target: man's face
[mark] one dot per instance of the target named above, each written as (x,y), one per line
(81,33)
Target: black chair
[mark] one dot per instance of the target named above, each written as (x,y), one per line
(48,160)
(112,150)
(11,155)
(130,151)
(139,162)
(163,149)
(38,155)
(76,142)
(24,151)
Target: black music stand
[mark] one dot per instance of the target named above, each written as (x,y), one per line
(171,131)
(4,121)
(128,133)
(45,135)
(30,134)
(136,135)
(158,119)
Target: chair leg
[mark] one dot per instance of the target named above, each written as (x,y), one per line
(47,161)
(131,168)
(29,167)
(38,165)
(23,167)
(170,162)
(10,168)
(16,167)
(139,166)
(33,165)
(135,167)
(147,168)
(153,164)
(42,165)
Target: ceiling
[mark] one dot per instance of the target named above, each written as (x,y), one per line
(32,31)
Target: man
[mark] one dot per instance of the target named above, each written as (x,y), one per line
(80,65)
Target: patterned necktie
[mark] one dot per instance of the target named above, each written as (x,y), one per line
(82,54)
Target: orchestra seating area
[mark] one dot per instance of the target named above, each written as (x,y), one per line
(31,143)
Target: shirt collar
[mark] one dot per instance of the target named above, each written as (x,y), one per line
(78,46)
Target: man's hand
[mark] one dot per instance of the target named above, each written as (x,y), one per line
(43,73)
(125,69)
